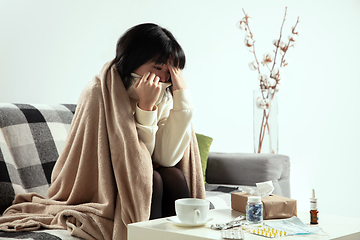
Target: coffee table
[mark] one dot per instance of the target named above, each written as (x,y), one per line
(334,227)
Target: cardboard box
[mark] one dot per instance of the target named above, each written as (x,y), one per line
(274,206)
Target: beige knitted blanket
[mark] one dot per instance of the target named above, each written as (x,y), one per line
(102,180)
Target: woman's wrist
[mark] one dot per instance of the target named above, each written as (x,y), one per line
(146,107)
(146,118)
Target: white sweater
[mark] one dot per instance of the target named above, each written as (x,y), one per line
(166,131)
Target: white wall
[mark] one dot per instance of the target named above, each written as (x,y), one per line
(50,49)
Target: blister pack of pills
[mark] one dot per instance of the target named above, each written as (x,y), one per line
(267,232)
(231,230)
(236,233)
(235,223)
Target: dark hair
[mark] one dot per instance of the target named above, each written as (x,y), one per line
(143,43)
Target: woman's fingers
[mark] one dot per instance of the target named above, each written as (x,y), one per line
(176,77)
(150,78)
(156,80)
(148,90)
(145,77)
(137,82)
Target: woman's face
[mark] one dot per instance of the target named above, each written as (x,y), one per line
(160,70)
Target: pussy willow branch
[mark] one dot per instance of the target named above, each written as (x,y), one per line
(263,128)
(251,35)
(262,133)
(278,43)
(287,48)
(288,45)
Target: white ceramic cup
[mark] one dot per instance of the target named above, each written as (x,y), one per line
(192,210)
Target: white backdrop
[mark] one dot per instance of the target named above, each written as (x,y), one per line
(49,50)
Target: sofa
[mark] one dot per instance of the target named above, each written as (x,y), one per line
(33,136)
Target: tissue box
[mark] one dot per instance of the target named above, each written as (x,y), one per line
(274,206)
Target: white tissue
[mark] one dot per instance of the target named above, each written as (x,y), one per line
(262,189)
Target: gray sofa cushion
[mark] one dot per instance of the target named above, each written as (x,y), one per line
(248,169)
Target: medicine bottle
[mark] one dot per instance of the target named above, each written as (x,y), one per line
(314,218)
(254,210)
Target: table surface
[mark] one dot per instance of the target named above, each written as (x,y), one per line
(333,227)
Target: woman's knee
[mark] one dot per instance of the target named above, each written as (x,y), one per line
(172,176)
(157,180)
(171,172)
(175,185)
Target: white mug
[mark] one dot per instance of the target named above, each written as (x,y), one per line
(192,210)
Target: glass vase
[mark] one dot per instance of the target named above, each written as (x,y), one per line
(265,121)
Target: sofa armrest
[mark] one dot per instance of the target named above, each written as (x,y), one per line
(248,169)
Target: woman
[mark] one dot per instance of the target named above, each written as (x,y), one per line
(147,57)
(132,125)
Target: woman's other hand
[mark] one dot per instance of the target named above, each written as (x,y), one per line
(177,78)
(147,89)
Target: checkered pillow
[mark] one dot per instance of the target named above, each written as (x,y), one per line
(31,138)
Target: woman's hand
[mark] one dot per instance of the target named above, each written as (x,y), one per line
(176,77)
(147,89)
